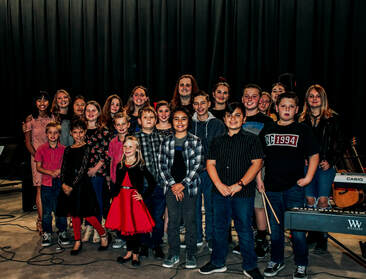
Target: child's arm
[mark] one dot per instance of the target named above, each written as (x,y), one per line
(260,183)
(53,173)
(197,157)
(313,165)
(27,129)
(164,171)
(212,172)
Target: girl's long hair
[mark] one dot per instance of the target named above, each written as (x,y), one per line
(130,106)
(139,159)
(106,111)
(40,95)
(99,123)
(176,98)
(325,111)
(55,109)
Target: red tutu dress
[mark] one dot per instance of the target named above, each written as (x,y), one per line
(127,215)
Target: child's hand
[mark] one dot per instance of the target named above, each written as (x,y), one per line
(137,196)
(260,186)
(177,188)
(179,196)
(302,182)
(67,189)
(92,172)
(235,188)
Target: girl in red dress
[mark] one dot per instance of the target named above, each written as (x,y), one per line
(128,213)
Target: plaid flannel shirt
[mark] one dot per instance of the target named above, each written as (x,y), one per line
(150,146)
(193,158)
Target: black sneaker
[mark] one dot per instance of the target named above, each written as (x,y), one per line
(158,253)
(63,238)
(273,268)
(300,272)
(253,274)
(144,252)
(209,268)
(236,250)
(46,239)
(261,248)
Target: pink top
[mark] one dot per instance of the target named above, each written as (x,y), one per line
(37,127)
(51,159)
(115,151)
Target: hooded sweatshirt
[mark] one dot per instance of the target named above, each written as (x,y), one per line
(207,130)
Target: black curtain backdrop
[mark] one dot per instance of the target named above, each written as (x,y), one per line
(99,47)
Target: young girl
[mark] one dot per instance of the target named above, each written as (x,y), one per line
(265,103)
(128,213)
(112,105)
(164,127)
(34,131)
(221,95)
(78,198)
(79,107)
(277,89)
(138,99)
(98,138)
(62,113)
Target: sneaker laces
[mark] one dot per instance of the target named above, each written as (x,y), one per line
(63,234)
(271,264)
(301,269)
(46,236)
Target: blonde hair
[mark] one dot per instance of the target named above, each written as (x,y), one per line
(139,159)
(55,109)
(325,111)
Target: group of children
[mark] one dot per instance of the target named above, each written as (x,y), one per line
(130,165)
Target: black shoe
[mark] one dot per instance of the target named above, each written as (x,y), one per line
(75,252)
(123,260)
(158,253)
(109,239)
(261,248)
(209,268)
(254,274)
(136,262)
(144,252)
(273,268)
(46,239)
(63,238)
(300,272)
(236,250)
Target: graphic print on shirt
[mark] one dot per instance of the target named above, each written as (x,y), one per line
(289,140)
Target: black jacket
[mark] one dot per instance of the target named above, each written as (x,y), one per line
(330,137)
(137,174)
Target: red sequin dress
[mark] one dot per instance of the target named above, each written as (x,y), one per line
(127,215)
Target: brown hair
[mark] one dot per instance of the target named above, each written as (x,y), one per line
(176,98)
(99,123)
(130,106)
(106,111)
(147,109)
(55,109)
(121,114)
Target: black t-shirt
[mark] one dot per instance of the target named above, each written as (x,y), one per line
(219,114)
(285,149)
(255,123)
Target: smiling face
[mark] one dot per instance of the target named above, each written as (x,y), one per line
(314,99)
(52,134)
(180,122)
(115,106)
(62,100)
(121,125)
(130,149)
(201,106)
(264,103)
(139,97)
(91,113)
(235,120)
(147,120)
(163,113)
(185,87)
(221,94)
(79,107)
(250,98)
(42,104)
(277,90)
(78,134)
(287,110)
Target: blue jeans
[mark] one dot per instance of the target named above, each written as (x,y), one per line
(321,185)
(204,188)
(282,201)
(241,210)
(98,182)
(49,197)
(156,205)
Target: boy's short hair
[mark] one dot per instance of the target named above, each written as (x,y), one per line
(203,94)
(184,110)
(147,108)
(289,95)
(253,85)
(55,125)
(233,106)
(78,124)
(121,114)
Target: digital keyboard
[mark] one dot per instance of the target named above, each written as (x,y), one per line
(350,180)
(326,220)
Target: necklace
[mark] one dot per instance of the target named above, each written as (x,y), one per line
(315,116)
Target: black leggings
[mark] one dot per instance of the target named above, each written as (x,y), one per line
(133,243)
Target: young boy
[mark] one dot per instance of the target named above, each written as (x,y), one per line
(233,162)
(286,143)
(150,141)
(254,122)
(48,158)
(180,161)
(115,152)
(206,127)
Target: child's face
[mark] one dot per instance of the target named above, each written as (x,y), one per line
(129,148)
(42,104)
(115,105)
(53,134)
(78,134)
(287,109)
(163,113)
(147,120)
(180,122)
(79,107)
(185,87)
(264,103)
(201,105)
(91,113)
(221,94)
(62,100)
(121,125)
(139,97)
(314,99)
(235,120)
(277,90)
(250,98)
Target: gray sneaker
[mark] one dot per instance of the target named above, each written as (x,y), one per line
(170,261)
(118,243)
(46,239)
(191,262)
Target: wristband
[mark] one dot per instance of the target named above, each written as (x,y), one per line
(241,183)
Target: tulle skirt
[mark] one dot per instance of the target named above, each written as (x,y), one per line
(128,215)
